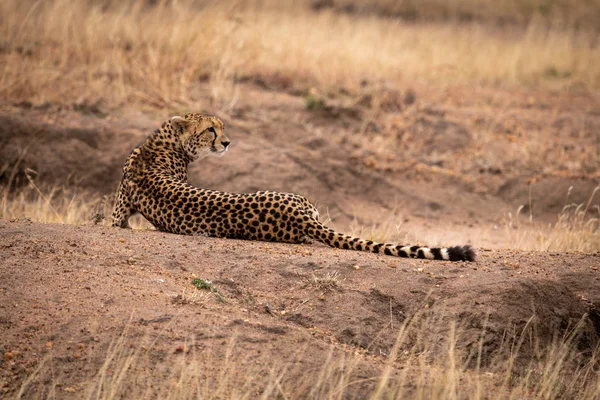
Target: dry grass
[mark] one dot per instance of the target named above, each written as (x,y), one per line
(419,366)
(577,229)
(73,52)
(326,281)
(390,230)
(60,205)
(55,205)
(195,297)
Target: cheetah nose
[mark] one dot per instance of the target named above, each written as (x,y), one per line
(225,144)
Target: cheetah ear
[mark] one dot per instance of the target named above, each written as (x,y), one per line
(179,122)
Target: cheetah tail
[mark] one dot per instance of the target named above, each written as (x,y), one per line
(317,231)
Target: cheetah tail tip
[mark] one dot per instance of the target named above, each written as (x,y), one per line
(462,253)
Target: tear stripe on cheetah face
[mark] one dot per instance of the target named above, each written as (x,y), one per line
(155,184)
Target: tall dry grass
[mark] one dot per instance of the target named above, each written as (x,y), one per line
(62,205)
(419,366)
(155,53)
(577,228)
(55,205)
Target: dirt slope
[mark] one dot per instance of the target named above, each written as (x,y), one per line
(67,292)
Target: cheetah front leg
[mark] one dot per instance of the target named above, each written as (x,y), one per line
(123,209)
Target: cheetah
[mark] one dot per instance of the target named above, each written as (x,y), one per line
(155,184)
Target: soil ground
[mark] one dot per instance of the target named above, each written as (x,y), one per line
(68,291)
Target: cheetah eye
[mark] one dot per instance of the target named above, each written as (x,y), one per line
(212,130)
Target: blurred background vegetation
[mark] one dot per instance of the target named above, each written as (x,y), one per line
(154,51)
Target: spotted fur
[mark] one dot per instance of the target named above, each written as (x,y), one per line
(155,184)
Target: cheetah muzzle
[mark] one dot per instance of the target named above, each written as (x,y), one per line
(155,184)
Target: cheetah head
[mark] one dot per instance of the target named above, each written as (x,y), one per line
(201,135)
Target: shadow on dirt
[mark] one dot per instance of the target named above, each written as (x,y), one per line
(86,158)
(528,318)
(518,318)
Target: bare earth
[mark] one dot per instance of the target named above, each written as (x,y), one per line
(68,293)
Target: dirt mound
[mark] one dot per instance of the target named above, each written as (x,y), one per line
(72,296)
